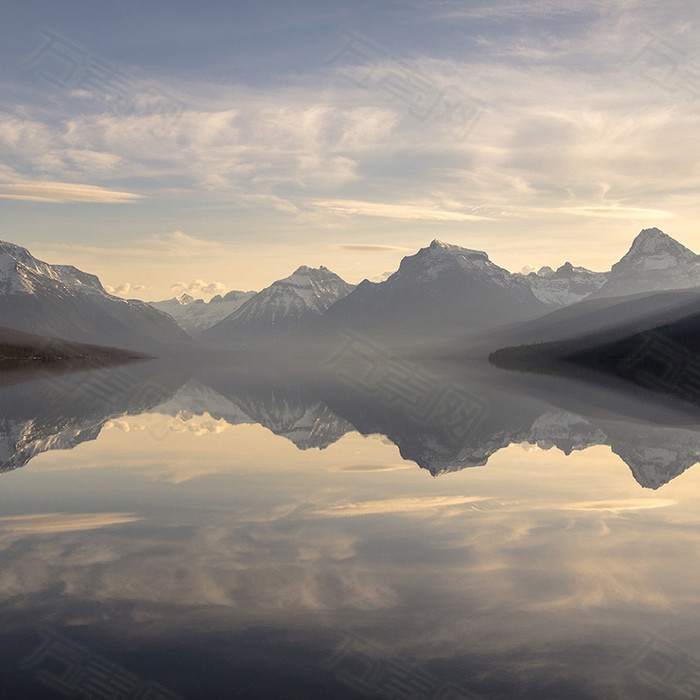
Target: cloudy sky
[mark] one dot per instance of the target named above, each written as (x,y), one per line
(171,145)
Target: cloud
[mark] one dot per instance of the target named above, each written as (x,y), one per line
(198,288)
(297,570)
(619,212)
(450,10)
(124,288)
(294,138)
(174,245)
(162,262)
(64,192)
(370,248)
(382,277)
(396,211)
(538,154)
(573,133)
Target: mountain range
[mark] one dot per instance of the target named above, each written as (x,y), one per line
(287,306)
(443,292)
(447,292)
(565,285)
(63,302)
(196,315)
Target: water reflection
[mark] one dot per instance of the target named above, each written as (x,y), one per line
(219,533)
(43,410)
(443,417)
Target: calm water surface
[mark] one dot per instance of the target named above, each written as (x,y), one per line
(175,534)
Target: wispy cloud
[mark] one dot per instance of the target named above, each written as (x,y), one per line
(396,211)
(573,135)
(370,248)
(451,10)
(617,212)
(171,245)
(64,192)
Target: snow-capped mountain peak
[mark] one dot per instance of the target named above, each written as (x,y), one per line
(441,291)
(441,247)
(567,285)
(306,270)
(196,315)
(441,258)
(17,253)
(282,307)
(654,262)
(315,288)
(21,272)
(652,249)
(64,302)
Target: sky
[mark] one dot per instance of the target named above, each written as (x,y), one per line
(173,146)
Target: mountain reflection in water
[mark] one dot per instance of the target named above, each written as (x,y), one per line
(188,531)
(443,416)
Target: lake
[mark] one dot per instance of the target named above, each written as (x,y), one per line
(372,528)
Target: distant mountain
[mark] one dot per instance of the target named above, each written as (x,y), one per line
(64,302)
(654,262)
(567,285)
(441,291)
(285,307)
(196,315)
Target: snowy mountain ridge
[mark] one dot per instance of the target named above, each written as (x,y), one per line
(653,249)
(280,308)
(439,257)
(442,288)
(654,262)
(19,270)
(567,285)
(196,315)
(64,302)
